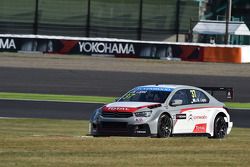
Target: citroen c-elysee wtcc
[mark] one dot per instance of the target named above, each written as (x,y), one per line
(163,111)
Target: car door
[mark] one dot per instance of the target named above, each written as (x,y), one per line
(178,103)
(198,112)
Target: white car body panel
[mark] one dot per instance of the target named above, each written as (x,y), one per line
(129,104)
(197,120)
(193,119)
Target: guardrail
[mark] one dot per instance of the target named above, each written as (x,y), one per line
(125,48)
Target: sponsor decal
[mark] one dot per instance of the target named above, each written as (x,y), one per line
(7,43)
(200,128)
(200,117)
(191,117)
(128,109)
(68,45)
(118,109)
(140,120)
(181,116)
(107,48)
(153,89)
(141,131)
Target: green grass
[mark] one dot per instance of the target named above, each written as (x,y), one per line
(238,105)
(75,98)
(42,142)
(51,97)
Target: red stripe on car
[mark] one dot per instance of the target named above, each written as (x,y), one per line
(119,109)
(188,109)
(128,109)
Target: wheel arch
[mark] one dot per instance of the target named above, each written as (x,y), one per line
(169,115)
(220,113)
(165,113)
(153,123)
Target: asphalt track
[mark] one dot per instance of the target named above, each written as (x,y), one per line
(104,83)
(79,111)
(100,83)
(51,110)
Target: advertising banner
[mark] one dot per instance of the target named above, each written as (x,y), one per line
(123,48)
(9,44)
(90,47)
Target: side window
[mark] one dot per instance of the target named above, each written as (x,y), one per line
(181,95)
(198,97)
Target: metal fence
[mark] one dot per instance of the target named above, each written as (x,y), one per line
(127,19)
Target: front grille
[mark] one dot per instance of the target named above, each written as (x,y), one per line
(114,125)
(122,129)
(117,114)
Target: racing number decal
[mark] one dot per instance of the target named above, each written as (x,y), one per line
(193,94)
(129,95)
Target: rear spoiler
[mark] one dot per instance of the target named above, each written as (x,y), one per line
(228,90)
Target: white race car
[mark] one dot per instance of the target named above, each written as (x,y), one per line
(163,111)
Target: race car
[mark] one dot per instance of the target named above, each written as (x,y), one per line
(163,111)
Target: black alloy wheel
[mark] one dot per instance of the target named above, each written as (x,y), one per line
(164,126)
(220,127)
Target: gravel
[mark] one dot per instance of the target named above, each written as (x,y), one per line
(101,63)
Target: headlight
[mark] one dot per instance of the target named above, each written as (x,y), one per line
(143,114)
(96,114)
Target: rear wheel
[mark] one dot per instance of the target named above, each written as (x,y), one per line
(220,127)
(164,126)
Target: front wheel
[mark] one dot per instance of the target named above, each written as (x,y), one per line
(164,126)
(220,127)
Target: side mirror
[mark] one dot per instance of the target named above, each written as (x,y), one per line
(176,102)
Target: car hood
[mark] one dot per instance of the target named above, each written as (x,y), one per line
(128,106)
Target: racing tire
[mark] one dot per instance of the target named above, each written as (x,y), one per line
(220,127)
(165,126)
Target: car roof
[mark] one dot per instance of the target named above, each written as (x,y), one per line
(169,86)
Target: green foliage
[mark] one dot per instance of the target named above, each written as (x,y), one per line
(75,98)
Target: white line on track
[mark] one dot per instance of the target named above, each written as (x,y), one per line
(9,118)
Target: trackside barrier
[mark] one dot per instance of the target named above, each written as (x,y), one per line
(229,91)
(125,48)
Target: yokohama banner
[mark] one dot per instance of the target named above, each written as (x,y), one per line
(89,46)
(124,48)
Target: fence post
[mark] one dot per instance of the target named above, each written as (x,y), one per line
(35,25)
(139,32)
(177,23)
(88,20)
(191,30)
(228,19)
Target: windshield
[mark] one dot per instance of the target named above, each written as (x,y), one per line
(146,95)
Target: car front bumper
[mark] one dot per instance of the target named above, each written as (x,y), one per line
(119,129)
(230,125)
